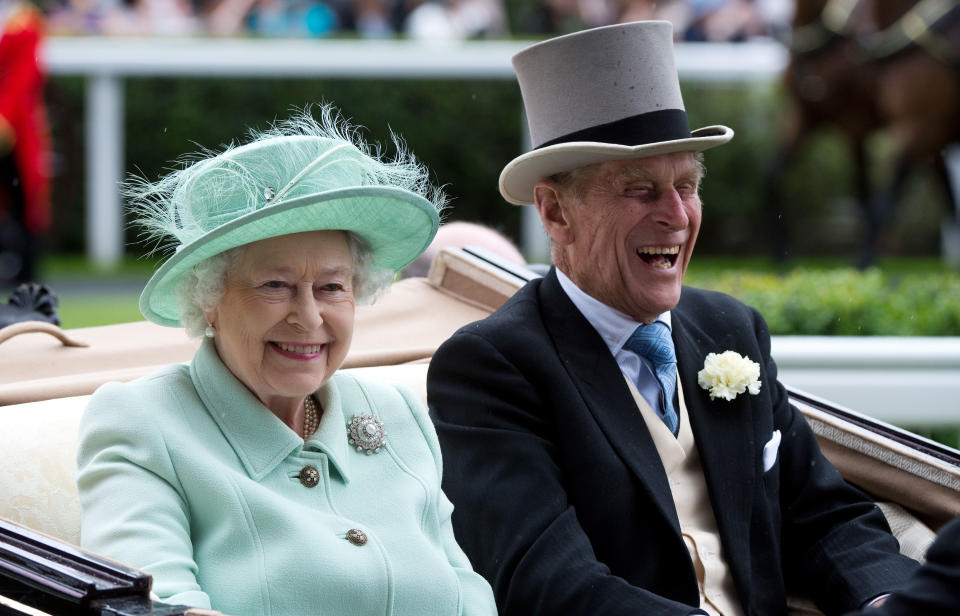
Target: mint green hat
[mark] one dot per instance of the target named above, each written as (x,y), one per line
(300,176)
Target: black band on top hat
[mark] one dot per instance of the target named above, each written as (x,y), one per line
(651,127)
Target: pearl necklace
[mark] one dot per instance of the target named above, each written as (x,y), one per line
(311,417)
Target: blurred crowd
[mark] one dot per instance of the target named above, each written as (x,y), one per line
(694,20)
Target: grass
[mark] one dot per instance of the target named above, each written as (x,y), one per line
(66,266)
(105,309)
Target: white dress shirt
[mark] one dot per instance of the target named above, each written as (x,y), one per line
(615,328)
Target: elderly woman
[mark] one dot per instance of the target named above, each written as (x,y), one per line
(258,479)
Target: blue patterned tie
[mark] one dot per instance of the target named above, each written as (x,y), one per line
(654,343)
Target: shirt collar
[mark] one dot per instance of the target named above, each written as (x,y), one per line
(613,326)
(259,438)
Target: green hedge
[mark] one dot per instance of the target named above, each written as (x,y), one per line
(467,130)
(846,302)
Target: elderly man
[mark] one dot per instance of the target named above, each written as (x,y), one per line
(614,442)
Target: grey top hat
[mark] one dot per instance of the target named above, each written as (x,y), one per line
(603,94)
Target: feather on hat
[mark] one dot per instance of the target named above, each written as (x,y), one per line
(300,175)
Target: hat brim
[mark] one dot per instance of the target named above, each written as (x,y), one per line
(522,173)
(396,224)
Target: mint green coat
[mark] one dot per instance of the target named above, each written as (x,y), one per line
(184,474)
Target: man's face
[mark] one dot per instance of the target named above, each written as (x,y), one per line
(628,229)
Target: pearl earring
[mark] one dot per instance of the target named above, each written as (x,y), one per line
(209,332)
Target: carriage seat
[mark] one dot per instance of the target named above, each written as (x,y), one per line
(38,446)
(41,406)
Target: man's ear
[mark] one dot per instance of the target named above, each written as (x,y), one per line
(553,206)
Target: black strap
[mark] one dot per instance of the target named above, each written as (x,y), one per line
(651,127)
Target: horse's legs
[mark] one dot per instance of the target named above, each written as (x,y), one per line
(773,199)
(880,208)
(950,182)
(871,205)
(775,205)
(947,166)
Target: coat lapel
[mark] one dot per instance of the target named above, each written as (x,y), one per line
(725,440)
(605,393)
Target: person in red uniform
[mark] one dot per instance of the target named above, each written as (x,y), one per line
(24,141)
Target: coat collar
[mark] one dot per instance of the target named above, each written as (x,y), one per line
(259,438)
(605,392)
(331,434)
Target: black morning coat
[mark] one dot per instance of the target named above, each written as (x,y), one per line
(933,589)
(561,500)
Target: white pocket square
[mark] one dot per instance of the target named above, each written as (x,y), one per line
(770,451)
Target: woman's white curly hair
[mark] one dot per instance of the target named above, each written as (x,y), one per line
(162,209)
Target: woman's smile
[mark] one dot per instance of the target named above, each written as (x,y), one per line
(303,352)
(285,321)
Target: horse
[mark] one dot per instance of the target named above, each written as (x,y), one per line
(863,66)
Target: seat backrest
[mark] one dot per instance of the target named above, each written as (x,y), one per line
(39,361)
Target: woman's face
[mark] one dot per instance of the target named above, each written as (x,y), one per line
(285,321)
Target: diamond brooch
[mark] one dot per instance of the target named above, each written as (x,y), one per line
(366,433)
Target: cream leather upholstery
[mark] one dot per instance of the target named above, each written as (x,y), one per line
(38,448)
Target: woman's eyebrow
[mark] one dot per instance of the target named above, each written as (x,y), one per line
(340,270)
(287,270)
(272,270)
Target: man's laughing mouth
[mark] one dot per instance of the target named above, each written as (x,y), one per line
(662,257)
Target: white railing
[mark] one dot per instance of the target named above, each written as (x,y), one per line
(106,62)
(910,381)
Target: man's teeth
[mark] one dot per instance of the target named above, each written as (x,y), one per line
(305,350)
(659,256)
(660,250)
